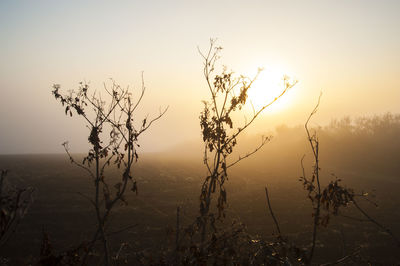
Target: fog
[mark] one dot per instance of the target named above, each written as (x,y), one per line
(358,147)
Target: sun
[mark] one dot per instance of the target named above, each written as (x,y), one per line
(268,86)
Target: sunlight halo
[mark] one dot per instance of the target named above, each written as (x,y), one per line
(268,86)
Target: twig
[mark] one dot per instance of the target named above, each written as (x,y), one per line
(353,218)
(387,230)
(122,230)
(272,213)
(343,259)
(263,142)
(177,235)
(65,145)
(315,149)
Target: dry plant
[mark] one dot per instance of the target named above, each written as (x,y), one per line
(14,203)
(326,202)
(220,132)
(329,200)
(113,138)
(204,242)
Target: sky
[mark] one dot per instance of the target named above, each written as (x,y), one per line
(348,50)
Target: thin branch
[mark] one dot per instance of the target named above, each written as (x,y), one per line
(121,230)
(65,145)
(263,142)
(177,237)
(272,213)
(353,218)
(240,130)
(311,139)
(367,199)
(302,167)
(387,230)
(206,159)
(141,95)
(152,121)
(314,146)
(343,259)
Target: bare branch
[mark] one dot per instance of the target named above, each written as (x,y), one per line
(263,142)
(343,259)
(302,166)
(387,230)
(240,130)
(272,213)
(65,145)
(122,230)
(152,121)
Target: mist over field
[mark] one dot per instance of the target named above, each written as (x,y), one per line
(363,152)
(362,145)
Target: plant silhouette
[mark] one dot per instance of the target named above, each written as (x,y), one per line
(14,203)
(228,94)
(113,139)
(326,202)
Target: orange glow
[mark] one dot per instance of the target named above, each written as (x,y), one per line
(268,86)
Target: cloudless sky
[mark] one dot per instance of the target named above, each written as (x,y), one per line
(349,50)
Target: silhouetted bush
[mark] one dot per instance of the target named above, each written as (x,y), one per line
(113,137)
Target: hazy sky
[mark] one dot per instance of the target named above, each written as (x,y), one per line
(347,49)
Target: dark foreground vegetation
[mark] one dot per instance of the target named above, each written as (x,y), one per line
(337,204)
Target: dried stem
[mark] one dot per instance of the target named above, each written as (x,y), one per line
(314,143)
(272,213)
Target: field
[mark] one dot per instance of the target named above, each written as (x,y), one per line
(67,217)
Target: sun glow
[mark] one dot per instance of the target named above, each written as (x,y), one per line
(269,85)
